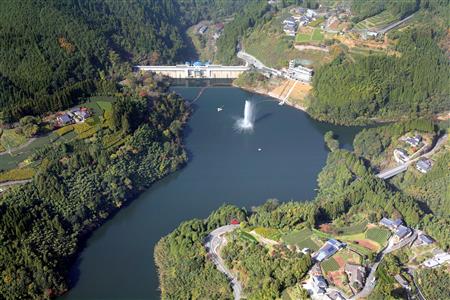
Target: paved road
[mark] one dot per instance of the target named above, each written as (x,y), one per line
(15,182)
(371,280)
(251,60)
(393,25)
(385,174)
(213,243)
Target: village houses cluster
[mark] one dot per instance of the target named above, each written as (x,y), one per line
(415,144)
(300,17)
(402,236)
(75,115)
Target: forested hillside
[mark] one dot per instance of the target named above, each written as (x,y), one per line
(415,82)
(55,51)
(347,188)
(228,42)
(79,184)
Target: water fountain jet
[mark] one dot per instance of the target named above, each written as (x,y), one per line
(246,123)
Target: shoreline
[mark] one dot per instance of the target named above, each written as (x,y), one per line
(276,98)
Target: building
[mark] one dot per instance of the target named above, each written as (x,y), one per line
(402,281)
(64,119)
(328,249)
(423,165)
(356,275)
(400,155)
(203,29)
(290,30)
(402,232)
(319,284)
(437,260)
(289,21)
(79,114)
(311,13)
(299,72)
(414,141)
(392,225)
(425,239)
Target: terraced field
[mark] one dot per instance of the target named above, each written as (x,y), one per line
(378,21)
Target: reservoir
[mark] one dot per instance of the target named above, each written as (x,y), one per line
(225,167)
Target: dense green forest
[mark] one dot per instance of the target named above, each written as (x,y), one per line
(267,275)
(380,86)
(347,187)
(79,184)
(228,43)
(434,283)
(59,51)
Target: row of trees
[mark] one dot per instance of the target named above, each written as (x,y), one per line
(77,186)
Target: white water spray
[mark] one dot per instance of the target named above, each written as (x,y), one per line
(246,123)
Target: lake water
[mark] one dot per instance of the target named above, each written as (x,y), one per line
(225,167)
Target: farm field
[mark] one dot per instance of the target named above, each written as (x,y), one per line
(378,235)
(302,239)
(316,36)
(330,265)
(377,22)
(268,233)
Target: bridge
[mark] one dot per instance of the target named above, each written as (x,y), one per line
(196,71)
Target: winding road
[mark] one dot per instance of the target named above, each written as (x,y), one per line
(371,280)
(213,243)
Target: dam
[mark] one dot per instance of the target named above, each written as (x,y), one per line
(196,70)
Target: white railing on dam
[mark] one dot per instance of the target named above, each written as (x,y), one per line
(191,71)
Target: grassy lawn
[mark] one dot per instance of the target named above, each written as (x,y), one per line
(378,235)
(330,265)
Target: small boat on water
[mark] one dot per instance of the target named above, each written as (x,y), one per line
(259,149)
(219,109)
(281,103)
